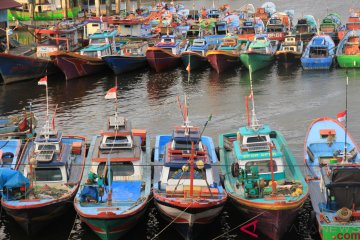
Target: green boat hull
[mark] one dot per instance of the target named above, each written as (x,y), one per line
(347,61)
(257,61)
(42,16)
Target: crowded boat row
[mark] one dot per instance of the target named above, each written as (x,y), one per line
(163,39)
(111,182)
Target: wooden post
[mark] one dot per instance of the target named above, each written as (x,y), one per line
(64,5)
(97,8)
(32,11)
(108,8)
(128,6)
(117,7)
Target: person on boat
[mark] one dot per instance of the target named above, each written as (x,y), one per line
(331,138)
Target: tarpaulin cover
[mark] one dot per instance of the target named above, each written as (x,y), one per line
(12,179)
(345,186)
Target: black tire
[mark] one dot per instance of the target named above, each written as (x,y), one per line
(217,151)
(235,170)
(7,155)
(222,180)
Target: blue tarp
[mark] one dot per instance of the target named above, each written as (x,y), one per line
(12,179)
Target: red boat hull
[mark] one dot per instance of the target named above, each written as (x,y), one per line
(221,61)
(161,60)
(76,66)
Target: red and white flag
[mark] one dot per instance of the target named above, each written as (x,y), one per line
(341,116)
(111,93)
(43,81)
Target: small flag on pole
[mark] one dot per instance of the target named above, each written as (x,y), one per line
(43,81)
(111,94)
(251,95)
(188,68)
(341,116)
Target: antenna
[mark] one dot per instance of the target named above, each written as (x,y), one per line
(346,116)
(254,122)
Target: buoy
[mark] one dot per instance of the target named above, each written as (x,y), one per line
(185,168)
(200,164)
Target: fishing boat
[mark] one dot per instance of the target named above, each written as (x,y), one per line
(185,189)
(115,189)
(260,54)
(353,23)
(18,125)
(262,14)
(88,61)
(348,50)
(195,55)
(166,54)
(290,50)
(333,164)
(319,53)
(131,57)
(54,165)
(31,64)
(277,26)
(250,28)
(261,176)
(331,25)
(305,28)
(226,56)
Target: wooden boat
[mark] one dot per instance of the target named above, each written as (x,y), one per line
(115,190)
(332,158)
(277,26)
(331,25)
(195,55)
(166,54)
(131,57)
(54,165)
(18,125)
(261,176)
(348,50)
(353,23)
(36,64)
(226,56)
(88,61)
(42,12)
(306,28)
(260,54)
(250,28)
(290,50)
(185,189)
(319,53)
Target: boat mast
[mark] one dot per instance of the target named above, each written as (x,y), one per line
(254,122)
(273,184)
(192,169)
(346,115)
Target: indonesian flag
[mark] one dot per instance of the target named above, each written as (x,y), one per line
(111,94)
(188,68)
(341,116)
(43,81)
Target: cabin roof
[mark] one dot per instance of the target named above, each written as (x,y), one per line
(94,48)
(104,34)
(248,131)
(55,137)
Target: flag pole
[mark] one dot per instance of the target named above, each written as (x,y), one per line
(254,121)
(47,105)
(346,116)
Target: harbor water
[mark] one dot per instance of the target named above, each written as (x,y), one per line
(287,99)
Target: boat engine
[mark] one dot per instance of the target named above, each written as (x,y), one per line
(252,184)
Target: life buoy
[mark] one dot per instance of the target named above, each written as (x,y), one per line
(235,169)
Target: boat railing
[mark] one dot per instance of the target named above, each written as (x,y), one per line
(196,195)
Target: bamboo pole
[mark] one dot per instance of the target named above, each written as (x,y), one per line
(117,7)
(97,8)
(64,5)
(108,8)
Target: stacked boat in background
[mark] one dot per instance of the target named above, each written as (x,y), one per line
(319,53)
(348,50)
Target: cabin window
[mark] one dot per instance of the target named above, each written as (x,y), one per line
(184,145)
(117,140)
(263,166)
(48,174)
(90,54)
(127,26)
(50,147)
(167,40)
(256,139)
(318,52)
(98,41)
(177,173)
(118,169)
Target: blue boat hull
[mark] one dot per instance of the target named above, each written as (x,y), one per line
(122,64)
(196,61)
(316,63)
(14,68)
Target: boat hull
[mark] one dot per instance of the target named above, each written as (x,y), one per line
(14,68)
(110,226)
(221,61)
(288,57)
(257,61)
(316,63)
(188,221)
(348,61)
(195,60)
(76,66)
(161,60)
(123,64)
(272,223)
(33,219)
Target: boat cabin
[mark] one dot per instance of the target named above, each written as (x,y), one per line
(220,28)
(67,36)
(229,43)
(134,48)
(252,148)
(199,46)
(302,26)
(170,44)
(101,43)
(213,13)
(291,44)
(319,48)
(51,161)
(92,26)
(352,46)
(261,44)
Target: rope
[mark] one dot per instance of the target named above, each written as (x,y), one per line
(156,235)
(238,226)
